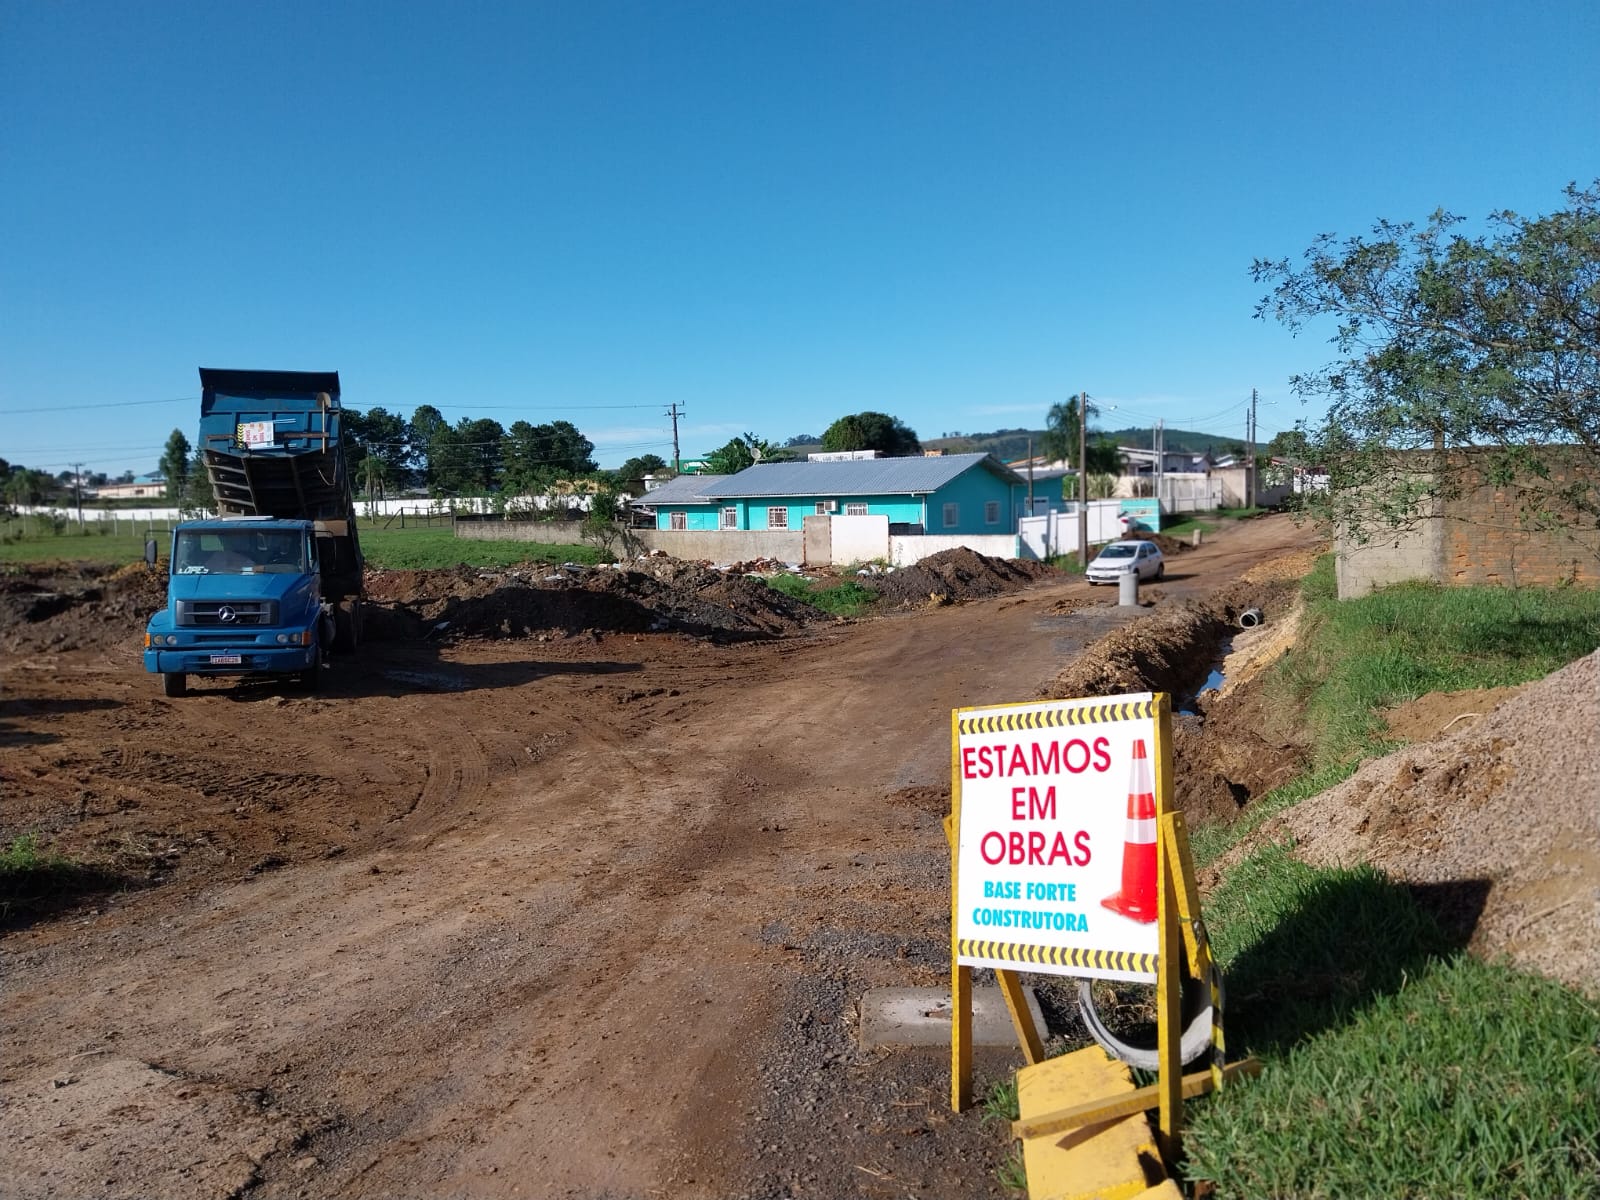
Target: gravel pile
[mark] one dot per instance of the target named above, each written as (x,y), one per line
(1508,801)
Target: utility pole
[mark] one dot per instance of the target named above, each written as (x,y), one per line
(1030,476)
(675,414)
(1083,479)
(1250,453)
(77,490)
(1160,435)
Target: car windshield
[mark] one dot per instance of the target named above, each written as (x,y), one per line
(1118,552)
(239,552)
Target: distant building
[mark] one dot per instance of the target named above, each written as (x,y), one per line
(145,487)
(952,494)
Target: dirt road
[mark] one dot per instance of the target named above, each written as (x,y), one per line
(582,917)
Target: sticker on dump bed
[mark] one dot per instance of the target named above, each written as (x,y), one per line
(1056,859)
(254,433)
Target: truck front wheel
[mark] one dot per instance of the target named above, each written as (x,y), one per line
(311,678)
(174,683)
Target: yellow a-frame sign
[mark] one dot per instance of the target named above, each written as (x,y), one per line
(1027,781)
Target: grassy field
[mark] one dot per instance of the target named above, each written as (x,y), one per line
(1396,1064)
(384,548)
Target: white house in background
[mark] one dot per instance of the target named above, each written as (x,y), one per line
(146,487)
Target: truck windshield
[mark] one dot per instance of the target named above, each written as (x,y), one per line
(239,552)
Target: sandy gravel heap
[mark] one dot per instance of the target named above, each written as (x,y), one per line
(1512,799)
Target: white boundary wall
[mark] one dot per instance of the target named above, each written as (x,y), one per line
(859,539)
(1042,537)
(904,550)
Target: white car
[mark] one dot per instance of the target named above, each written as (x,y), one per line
(1117,559)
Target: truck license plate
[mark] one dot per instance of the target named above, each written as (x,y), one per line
(226,660)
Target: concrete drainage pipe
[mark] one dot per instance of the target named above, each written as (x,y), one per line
(1251,617)
(1195,1020)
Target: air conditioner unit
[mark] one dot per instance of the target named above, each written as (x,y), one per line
(833,506)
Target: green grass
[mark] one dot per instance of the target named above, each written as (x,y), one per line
(1395,1065)
(33,878)
(1355,658)
(847,599)
(385,549)
(999,1102)
(1187,526)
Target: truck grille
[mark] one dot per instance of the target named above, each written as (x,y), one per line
(227,614)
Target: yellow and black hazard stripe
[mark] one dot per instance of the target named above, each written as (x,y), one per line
(1058,956)
(1055,718)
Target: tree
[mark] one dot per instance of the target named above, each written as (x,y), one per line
(174,465)
(380,434)
(872,431)
(426,423)
(744,451)
(1447,340)
(630,475)
(197,494)
(1060,440)
(601,526)
(537,455)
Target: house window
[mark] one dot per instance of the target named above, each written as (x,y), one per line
(777,518)
(952,515)
(822,508)
(730,518)
(855,510)
(991,512)
(678,520)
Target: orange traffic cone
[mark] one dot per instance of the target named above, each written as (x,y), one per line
(1137,899)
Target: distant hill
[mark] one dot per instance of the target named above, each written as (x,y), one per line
(1010,444)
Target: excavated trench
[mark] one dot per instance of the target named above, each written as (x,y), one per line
(1231,743)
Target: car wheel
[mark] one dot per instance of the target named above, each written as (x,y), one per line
(1161,570)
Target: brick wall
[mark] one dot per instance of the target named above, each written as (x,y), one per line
(1486,534)
(1490,538)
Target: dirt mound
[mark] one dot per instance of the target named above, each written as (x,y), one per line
(1169,546)
(649,595)
(955,575)
(1437,713)
(76,607)
(1169,651)
(1507,801)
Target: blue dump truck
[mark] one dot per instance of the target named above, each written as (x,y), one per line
(274,582)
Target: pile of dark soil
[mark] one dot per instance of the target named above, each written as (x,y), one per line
(76,607)
(955,575)
(650,595)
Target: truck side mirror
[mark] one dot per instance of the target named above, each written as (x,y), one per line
(150,551)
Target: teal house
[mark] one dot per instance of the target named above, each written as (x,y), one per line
(947,494)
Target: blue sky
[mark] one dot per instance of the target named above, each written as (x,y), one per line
(771,214)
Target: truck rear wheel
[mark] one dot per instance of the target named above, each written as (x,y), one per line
(347,619)
(174,683)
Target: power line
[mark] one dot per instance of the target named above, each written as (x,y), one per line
(110,404)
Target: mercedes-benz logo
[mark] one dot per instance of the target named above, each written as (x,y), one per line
(226,614)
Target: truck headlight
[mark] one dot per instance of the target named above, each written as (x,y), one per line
(283,639)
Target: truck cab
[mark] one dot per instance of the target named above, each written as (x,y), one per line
(244,597)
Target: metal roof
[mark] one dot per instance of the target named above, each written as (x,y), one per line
(862,477)
(682,489)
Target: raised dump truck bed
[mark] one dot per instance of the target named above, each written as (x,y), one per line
(272,443)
